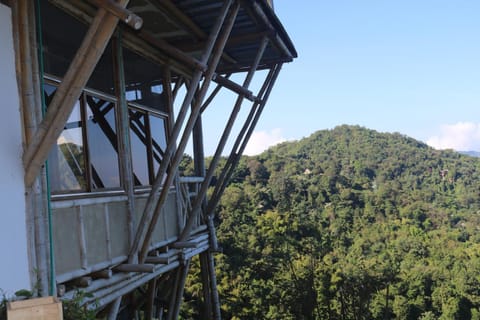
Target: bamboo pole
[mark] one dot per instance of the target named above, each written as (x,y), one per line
(80,70)
(174,308)
(150,301)
(229,22)
(125,149)
(128,17)
(243,138)
(235,87)
(126,267)
(212,96)
(28,78)
(114,308)
(223,140)
(208,312)
(153,204)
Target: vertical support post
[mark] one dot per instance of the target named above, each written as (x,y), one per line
(114,308)
(124,147)
(177,294)
(206,285)
(36,197)
(150,299)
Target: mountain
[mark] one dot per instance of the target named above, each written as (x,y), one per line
(350,223)
(471,153)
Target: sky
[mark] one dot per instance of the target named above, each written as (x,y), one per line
(408,66)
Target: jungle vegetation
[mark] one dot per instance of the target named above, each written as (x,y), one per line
(348,223)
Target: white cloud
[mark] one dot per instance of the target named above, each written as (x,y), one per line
(262,140)
(461,136)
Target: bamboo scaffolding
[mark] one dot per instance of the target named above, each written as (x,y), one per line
(68,92)
(215,59)
(243,138)
(153,205)
(223,140)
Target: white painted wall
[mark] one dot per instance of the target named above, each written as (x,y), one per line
(14,266)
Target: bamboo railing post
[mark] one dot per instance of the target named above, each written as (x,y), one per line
(78,73)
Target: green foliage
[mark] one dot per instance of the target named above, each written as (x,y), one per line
(75,310)
(350,223)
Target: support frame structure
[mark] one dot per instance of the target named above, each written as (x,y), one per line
(126,242)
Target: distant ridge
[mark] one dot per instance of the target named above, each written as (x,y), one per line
(471,153)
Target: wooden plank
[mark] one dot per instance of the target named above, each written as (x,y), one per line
(47,308)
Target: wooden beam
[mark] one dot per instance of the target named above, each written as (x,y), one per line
(79,71)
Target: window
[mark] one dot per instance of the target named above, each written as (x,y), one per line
(148,141)
(85,157)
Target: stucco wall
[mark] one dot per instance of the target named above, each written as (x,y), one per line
(14,273)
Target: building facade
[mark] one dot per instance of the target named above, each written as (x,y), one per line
(101,100)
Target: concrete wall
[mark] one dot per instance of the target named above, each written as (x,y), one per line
(14,266)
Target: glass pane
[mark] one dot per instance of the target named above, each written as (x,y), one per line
(159,140)
(139,142)
(66,162)
(143,81)
(102,143)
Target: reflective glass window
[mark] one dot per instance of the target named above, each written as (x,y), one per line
(66,161)
(102,143)
(139,144)
(143,81)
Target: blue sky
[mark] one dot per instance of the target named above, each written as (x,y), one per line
(409,66)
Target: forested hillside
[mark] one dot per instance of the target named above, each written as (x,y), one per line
(349,223)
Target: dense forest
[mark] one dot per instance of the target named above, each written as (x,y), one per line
(349,223)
